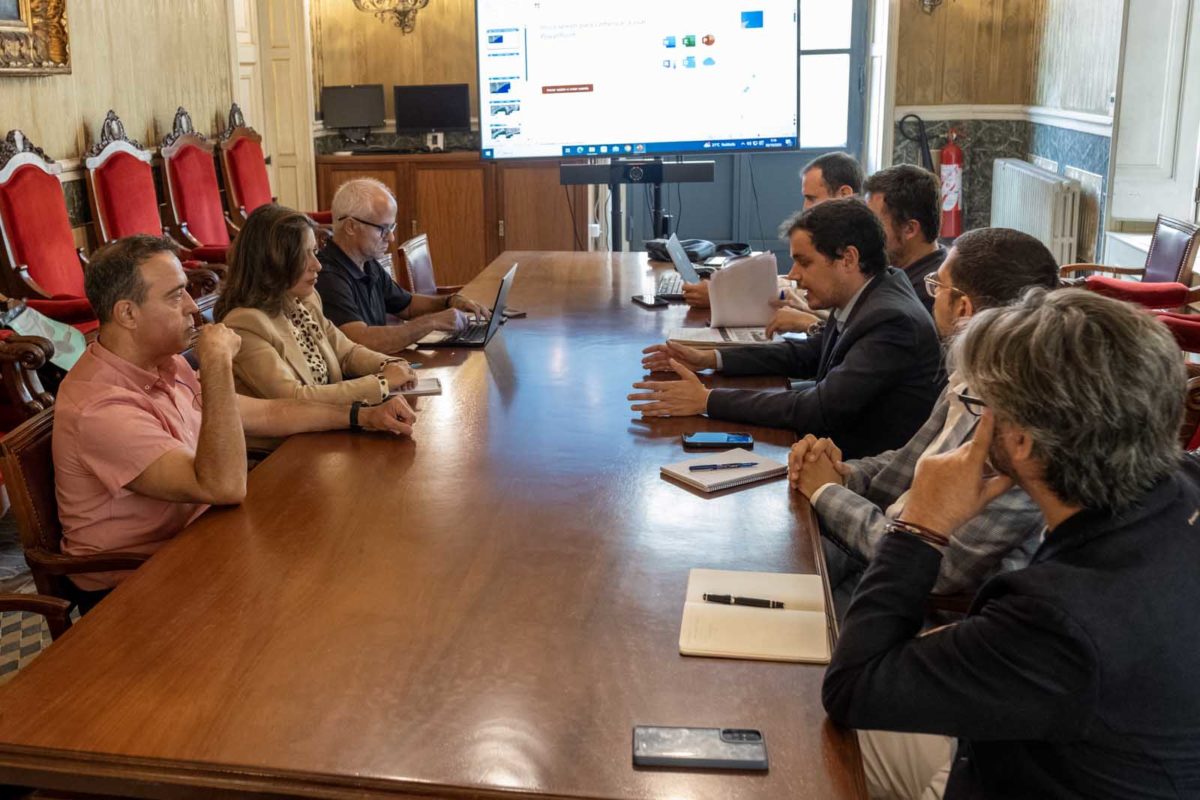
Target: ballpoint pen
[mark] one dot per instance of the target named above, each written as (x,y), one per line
(710,467)
(731,600)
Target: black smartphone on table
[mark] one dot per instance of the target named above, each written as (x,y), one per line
(716,440)
(699,748)
(649,300)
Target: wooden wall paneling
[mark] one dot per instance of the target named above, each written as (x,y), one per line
(535,209)
(355,47)
(141,59)
(453,204)
(967,52)
(1080,47)
(920,59)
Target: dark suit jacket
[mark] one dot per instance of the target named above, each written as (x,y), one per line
(874,388)
(1078,676)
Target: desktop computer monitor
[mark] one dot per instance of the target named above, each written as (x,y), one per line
(352,106)
(428,109)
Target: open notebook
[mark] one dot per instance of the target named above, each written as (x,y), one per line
(797,632)
(715,480)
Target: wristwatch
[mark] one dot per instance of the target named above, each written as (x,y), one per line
(354,407)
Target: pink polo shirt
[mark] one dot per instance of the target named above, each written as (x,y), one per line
(112,420)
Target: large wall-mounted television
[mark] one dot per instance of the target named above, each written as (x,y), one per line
(564,78)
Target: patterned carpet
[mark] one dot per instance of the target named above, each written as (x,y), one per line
(22,636)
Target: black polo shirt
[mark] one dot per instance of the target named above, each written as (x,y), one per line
(351,294)
(917,271)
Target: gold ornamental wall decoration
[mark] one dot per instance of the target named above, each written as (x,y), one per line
(33,37)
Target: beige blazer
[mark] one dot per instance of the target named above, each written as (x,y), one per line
(271,365)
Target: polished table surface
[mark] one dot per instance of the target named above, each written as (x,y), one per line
(486,610)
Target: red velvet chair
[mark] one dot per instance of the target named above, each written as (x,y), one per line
(247,184)
(195,200)
(41,261)
(124,202)
(1170,260)
(1147,295)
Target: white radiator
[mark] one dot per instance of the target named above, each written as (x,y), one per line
(1037,202)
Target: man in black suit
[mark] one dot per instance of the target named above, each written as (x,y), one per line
(875,367)
(1075,676)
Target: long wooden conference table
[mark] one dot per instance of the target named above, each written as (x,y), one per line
(484,611)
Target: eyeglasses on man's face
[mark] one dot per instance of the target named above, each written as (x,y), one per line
(974,405)
(385,230)
(933,285)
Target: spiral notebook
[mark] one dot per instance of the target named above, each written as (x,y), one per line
(716,480)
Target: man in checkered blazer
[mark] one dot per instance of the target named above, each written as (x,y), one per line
(856,499)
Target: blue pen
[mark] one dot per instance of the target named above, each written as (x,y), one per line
(781,293)
(708,467)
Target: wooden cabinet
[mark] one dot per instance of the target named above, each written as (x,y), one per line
(452,204)
(470,209)
(538,213)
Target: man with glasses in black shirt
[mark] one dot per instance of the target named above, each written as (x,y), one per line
(358,294)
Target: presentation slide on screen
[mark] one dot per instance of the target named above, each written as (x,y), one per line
(636,77)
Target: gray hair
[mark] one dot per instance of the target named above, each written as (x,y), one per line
(356,198)
(1097,384)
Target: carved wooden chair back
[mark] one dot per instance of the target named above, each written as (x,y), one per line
(120,182)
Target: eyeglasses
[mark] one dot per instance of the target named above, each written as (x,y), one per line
(932,285)
(384,230)
(974,405)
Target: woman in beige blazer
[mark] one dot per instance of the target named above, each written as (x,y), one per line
(289,349)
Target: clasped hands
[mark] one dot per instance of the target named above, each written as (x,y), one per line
(948,489)
(685,397)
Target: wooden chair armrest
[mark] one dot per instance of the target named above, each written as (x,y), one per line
(30,352)
(201,281)
(953,603)
(1072,269)
(233,228)
(56,610)
(59,564)
(449,289)
(83,259)
(21,272)
(183,233)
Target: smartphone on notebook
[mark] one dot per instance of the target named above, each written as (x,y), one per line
(699,748)
(715,440)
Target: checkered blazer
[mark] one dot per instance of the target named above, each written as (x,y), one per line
(1003,537)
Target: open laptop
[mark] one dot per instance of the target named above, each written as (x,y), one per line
(478,333)
(670,286)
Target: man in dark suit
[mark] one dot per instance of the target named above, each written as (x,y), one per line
(1075,676)
(875,367)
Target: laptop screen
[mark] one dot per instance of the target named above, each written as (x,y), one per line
(679,258)
(501,298)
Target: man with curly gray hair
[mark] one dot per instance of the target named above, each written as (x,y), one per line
(1075,676)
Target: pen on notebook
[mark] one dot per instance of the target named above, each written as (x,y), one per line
(708,467)
(731,600)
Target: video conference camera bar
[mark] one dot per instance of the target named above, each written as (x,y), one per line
(654,172)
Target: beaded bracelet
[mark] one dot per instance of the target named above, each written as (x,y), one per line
(926,535)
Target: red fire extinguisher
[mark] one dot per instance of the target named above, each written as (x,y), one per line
(952,173)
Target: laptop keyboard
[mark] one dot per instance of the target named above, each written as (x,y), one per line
(473,332)
(670,284)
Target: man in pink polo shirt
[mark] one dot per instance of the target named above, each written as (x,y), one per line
(140,448)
